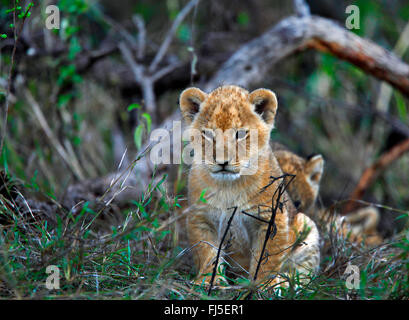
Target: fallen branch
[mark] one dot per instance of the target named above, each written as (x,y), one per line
(371,173)
(251,63)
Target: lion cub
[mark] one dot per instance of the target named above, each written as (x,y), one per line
(242,182)
(358,226)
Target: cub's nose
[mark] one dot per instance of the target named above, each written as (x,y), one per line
(223,164)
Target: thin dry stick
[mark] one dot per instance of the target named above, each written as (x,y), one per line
(371,173)
(169,37)
(216,262)
(272,228)
(71,162)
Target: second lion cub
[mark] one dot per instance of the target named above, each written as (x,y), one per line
(358,226)
(233,115)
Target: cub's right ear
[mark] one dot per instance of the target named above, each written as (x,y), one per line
(265,104)
(189,101)
(314,167)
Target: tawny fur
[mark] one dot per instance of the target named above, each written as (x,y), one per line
(231,107)
(357,226)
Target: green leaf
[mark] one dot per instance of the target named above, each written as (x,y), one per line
(401,106)
(66,72)
(134,106)
(402,216)
(148,119)
(64,99)
(138,136)
(201,198)
(243,18)
(161,181)
(184,33)
(76,140)
(74,48)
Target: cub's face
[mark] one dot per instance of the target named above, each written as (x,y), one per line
(229,126)
(303,190)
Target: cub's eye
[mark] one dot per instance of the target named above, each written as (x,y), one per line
(208,134)
(241,134)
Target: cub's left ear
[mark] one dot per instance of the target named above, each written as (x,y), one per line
(265,104)
(314,167)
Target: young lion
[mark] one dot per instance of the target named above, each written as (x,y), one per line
(304,188)
(237,116)
(358,226)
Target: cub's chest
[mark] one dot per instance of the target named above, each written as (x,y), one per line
(241,226)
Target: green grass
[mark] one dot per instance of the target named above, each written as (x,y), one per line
(140,258)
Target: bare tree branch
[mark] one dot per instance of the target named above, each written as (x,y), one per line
(140,24)
(144,81)
(371,173)
(301,8)
(169,36)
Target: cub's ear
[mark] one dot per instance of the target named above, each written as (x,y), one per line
(265,104)
(314,167)
(189,101)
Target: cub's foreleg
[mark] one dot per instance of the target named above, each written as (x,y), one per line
(203,238)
